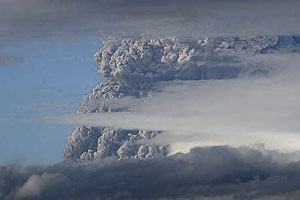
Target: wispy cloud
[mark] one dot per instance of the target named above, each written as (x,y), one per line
(75,58)
(7,59)
(52,106)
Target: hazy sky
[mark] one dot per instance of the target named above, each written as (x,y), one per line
(51,78)
(40,19)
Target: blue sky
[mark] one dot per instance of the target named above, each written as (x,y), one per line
(52,80)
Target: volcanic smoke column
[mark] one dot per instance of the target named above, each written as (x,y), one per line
(135,67)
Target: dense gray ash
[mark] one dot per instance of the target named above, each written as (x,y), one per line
(211,173)
(135,67)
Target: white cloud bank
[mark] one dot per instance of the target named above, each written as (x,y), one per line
(243,111)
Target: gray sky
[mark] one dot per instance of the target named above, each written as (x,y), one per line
(40,19)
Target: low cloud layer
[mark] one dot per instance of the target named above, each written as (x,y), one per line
(28,19)
(205,173)
(243,111)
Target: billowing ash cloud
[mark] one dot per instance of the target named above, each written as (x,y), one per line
(207,107)
(204,173)
(20,19)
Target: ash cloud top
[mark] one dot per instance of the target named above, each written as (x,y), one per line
(210,173)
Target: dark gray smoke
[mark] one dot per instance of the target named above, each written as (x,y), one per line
(64,19)
(209,173)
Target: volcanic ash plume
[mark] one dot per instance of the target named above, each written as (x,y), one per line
(137,67)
